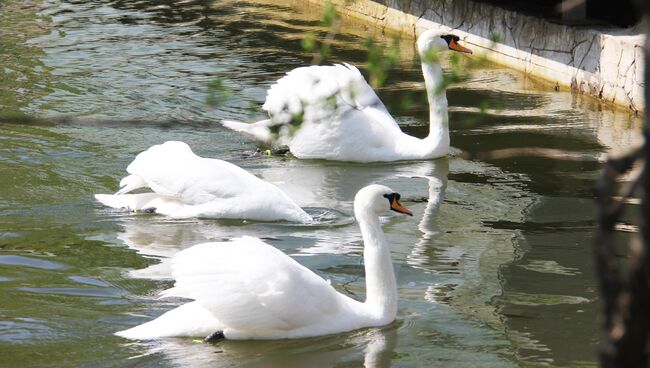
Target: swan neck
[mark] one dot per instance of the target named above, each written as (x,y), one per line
(381,287)
(438,118)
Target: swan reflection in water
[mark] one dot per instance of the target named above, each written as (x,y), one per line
(437,184)
(370,348)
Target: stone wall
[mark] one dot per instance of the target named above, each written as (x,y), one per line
(604,63)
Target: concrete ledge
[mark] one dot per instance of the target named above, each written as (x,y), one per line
(606,64)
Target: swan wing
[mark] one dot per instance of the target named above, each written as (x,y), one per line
(249,285)
(172,169)
(324,93)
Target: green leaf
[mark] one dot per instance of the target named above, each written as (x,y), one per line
(495,37)
(329,15)
(309,42)
(380,60)
(218,92)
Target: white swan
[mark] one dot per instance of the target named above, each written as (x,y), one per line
(342,118)
(185,185)
(247,289)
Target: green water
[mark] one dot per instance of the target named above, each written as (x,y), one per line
(494,270)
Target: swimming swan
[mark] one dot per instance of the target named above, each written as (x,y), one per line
(247,289)
(185,185)
(342,118)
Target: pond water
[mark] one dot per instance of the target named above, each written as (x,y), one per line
(494,270)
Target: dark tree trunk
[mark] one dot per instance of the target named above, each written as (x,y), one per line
(625,286)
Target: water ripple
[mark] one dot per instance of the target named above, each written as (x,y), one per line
(31,262)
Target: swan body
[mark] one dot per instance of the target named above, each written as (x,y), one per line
(247,289)
(185,185)
(341,117)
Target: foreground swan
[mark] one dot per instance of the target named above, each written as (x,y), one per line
(186,185)
(247,289)
(343,119)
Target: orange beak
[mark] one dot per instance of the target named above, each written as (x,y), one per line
(398,207)
(457,47)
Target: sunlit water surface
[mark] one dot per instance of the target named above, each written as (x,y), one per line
(494,270)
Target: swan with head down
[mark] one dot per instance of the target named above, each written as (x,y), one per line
(186,185)
(247,289)
(342,118)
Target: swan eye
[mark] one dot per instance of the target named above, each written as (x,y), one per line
(392,197)
(449,38)
(452,43)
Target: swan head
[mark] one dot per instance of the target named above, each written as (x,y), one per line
(432,40)
(378,199)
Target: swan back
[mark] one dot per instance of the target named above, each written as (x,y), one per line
(187,185)
(322,94)
(256,291)
(172,169)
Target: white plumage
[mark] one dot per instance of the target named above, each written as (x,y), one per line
(186,185)
(250,290)
(341,118)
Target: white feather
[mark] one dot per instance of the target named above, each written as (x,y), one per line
(186,185)
(131,183)
(189,319)
(255,290)
(260,130)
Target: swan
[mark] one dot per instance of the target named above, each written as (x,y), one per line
(342,118)
(247,289)
(186,185)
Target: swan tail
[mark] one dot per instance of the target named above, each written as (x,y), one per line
(191,320)
(260,130)
(130,183)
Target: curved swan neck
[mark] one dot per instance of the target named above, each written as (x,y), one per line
(438,118)
(381,287)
